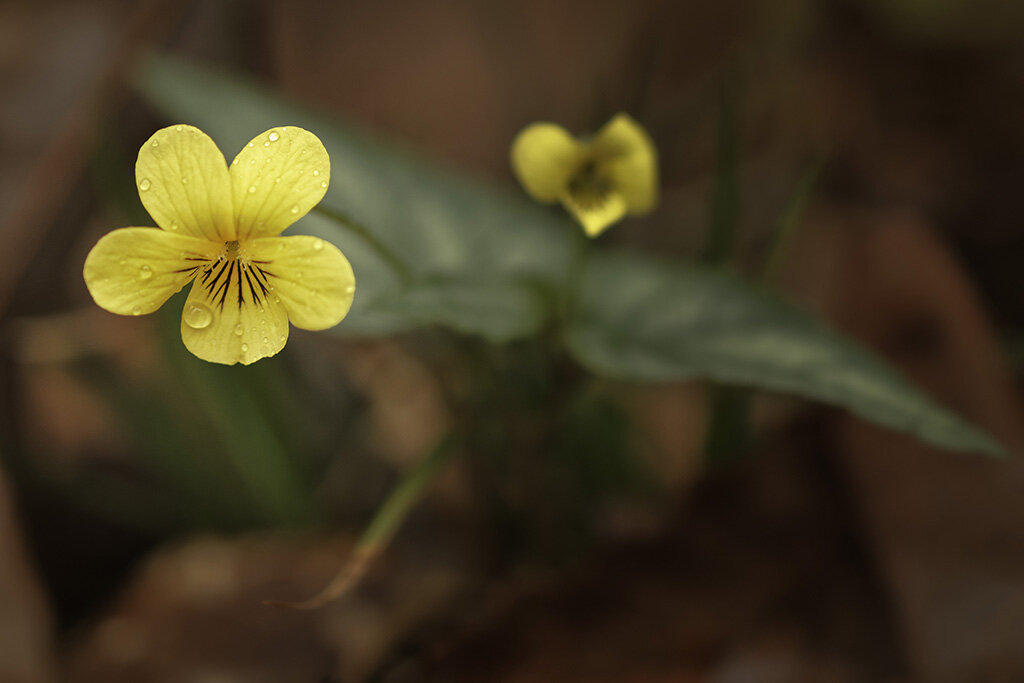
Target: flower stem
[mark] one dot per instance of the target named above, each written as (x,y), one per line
(397,264)
(575,273)
(382,528)
(789,221)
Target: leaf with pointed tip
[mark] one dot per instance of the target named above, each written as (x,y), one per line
(647,320)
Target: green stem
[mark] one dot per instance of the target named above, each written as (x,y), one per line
(576,270)
(382,528)
(789,221)
(729,427)
(724,202)
(397,264)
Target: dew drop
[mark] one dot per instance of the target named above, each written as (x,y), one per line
(298,274)
(136,310)
(316,172)
(266,340)
(281,337)
(144,184)
(145,272)
(295,208)
(350,289)
(250,145)
(156,143)
(267,143)
(269,159)
(234,162)
(174,225)
(245,348)
(184,180)
(179,128)
(252,162)
(277,180)
(323,184)
(273,136)
(198,316)
(318,244)
(252,189)
(239,329)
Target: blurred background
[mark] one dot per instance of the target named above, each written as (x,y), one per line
(150,501)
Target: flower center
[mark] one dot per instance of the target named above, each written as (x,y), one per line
(588,187)
(232,276)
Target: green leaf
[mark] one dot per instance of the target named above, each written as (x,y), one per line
(647,320)
(500,310)
(442,226)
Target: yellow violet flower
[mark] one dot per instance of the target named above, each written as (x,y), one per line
(599,180)
(219,229)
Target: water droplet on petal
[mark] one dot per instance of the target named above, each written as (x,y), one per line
(184,180)
(318,244)
(252,189)
(174,225)
(179,128)
(245,348)
(239,329)
(136,310)
(156,143)
(234,162)
(273,136)
(250,144)
(316,172)
(267,143)
(350,289)
(198,316)
(298,274)
(145,272)
(295,208)
(277,180)
(252,162)
(144,184)
(323,184)
(266,340)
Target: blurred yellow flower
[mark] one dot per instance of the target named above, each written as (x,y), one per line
(218,229)
(599,180)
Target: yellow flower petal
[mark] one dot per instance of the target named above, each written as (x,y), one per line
(132,271)
(223,322)
(312,278)
(544,157)
(626,156)
(276,179)
(595,215)
(183,183)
